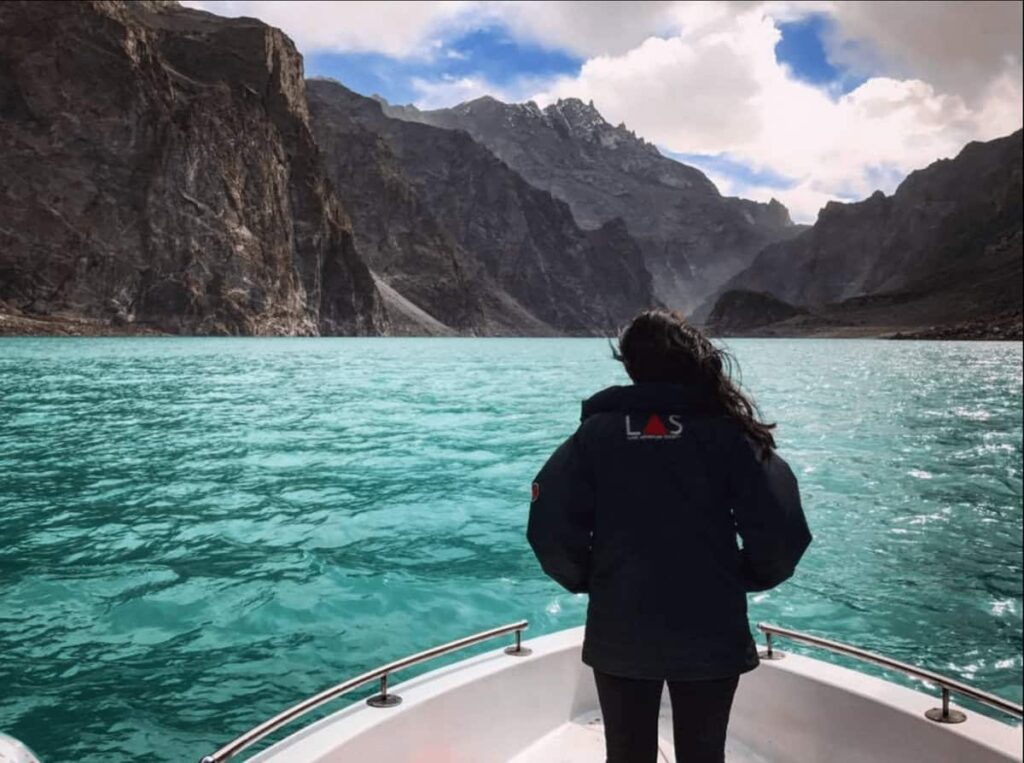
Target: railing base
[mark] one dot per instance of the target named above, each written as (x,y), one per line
(953,716)
(518,651)
(774,654)
(384,700)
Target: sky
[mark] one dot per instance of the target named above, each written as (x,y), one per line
(805,102)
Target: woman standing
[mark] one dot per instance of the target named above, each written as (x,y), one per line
(641,509)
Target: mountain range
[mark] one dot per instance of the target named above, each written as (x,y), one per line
(944,249)
(692,237)
(173,172)
(514,259)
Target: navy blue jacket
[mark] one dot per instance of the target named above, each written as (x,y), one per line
(641,509)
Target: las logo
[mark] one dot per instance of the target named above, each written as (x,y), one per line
(655,429)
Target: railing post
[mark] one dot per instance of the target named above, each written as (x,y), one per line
(518,650)
(944,714)
(769,653)
(384,699)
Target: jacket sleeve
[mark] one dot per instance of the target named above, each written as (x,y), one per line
(769,517)
(562,517)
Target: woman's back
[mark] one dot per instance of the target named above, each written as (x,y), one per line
(652,471)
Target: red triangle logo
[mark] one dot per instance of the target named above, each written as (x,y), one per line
(655,428)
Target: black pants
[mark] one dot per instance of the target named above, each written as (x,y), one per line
(700,716)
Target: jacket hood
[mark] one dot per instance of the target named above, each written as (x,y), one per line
(648,396)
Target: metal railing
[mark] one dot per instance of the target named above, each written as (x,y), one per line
(947,685)
(383,699)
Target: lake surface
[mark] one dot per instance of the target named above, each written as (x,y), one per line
(195,533)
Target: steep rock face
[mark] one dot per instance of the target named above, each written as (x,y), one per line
(394,229)
(518,246)
(945,247)
(159,171)
(692,237)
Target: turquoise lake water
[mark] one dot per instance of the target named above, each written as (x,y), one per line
(198,532)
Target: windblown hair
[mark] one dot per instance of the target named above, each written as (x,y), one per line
(661,346)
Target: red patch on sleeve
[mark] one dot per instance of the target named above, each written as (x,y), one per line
(534,491)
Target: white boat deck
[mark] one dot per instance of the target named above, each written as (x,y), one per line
(582,741)
(542,708)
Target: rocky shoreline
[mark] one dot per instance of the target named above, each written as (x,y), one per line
(1005,328)
(17,324)
(1008,327)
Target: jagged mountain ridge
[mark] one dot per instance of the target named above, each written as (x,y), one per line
(946,247)
(518,246)
(692,237)
(160,172)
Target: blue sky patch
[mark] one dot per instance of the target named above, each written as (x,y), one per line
(802,50)
(884,177)
(493,54)
(739,173)
(487,53)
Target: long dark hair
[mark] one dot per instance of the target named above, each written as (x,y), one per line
(661,346)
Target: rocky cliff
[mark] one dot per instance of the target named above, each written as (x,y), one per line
(738,312)
(478,245)
(417,263)
(946,247)
(692,237)
(159,173)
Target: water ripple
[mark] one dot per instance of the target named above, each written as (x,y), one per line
(199,532)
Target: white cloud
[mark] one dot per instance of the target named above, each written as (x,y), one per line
(701,77)
(436,94)
(446,91)
(957,47)
(717,88)
(414,28)
(587,28)
(401,28)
